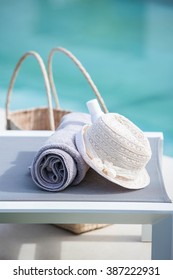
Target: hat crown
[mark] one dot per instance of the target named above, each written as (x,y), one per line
(116,139)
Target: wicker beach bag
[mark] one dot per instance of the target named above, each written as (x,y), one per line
(43,118)
(75,228)
(39,118)
(81,228)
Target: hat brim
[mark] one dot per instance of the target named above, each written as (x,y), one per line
(141,181)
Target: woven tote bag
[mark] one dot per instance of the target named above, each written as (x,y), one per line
(75,228)
(39,118)
(47,118)
(81,228)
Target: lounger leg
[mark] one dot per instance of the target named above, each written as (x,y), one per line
(146,233)
(162,239)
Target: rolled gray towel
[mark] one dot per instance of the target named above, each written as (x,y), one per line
(58,163)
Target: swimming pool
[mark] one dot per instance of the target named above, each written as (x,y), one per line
(126,46)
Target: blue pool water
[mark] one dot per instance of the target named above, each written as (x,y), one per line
(126,46)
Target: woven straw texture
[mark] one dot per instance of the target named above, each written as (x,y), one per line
(34,119)
(81,228)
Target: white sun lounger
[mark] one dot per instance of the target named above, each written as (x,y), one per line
(86,210)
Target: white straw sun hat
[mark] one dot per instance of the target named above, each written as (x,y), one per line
(115,148)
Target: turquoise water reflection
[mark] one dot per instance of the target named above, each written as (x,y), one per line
(126,46)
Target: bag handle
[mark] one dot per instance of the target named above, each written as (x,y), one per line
(81,68)
(46,83)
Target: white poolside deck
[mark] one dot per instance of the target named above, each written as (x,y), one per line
(39,241)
